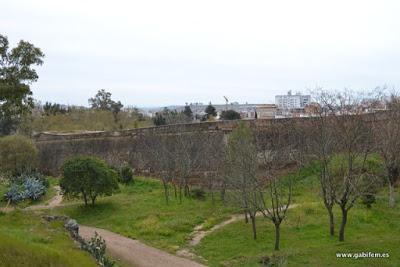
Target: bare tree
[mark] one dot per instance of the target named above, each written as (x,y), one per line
(322,145)
(280,150)
(351,176)
(241,167)
(160,151)
(213,161)
(386,128)
(188,153)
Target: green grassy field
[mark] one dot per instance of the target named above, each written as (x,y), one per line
(139,211)
(82,120)
(28,240)
(305,239)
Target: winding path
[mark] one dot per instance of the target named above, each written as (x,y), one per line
(134,252)
(198,234)
(52,203)
(130,251)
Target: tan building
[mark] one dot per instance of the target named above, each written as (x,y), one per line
(266,111)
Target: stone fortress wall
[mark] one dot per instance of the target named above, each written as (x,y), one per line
(118,147)
(126,146)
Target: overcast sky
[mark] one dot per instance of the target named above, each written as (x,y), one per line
(157,53)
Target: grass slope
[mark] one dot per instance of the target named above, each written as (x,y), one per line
(305,239)
(139,211)
(82,120)
(27,240)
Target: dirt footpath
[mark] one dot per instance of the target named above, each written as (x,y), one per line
(54,202)
(134,252)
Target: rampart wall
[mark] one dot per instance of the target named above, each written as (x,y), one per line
(126,146)
(118,147)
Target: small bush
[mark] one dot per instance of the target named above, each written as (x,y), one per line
(25,187)
(368,200)
(33,175)
(18,155)
(97,247)
(198,193)
(34,188)
(125,175)
(15,193)
(273,261)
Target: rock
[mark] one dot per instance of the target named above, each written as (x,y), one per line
(72,226)
(49,218)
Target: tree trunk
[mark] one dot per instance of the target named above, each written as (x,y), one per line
(343,224)
(277,235)
(93,200)
(180,194)
(331,222)
(187,190)
(166,191)
(392,200)
(246,219)
(223,194)
(176,194)
(253,225)
(85,199)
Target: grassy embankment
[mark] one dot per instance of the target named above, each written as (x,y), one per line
(305,239)
(28,240)
(82,120)
(139,211)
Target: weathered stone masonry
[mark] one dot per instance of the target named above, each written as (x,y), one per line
(117,147)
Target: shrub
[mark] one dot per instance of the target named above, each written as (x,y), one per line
(273,261)
(97,247)
(368,200)
(33,175)
(18,155)
(198,193)
(125,175)
(34,188)
(25,187)
(230,115)
(88,177)
(15,193)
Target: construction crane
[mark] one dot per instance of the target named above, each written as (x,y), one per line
(226,102)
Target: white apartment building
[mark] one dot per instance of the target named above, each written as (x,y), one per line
(290,101)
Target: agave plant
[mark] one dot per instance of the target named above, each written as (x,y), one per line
(26,187)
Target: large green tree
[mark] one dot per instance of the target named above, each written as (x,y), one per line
(88,177)
(102,100)
(16,75)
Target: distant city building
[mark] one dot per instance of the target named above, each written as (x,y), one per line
(312,109)
(290,101)
(266,111)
